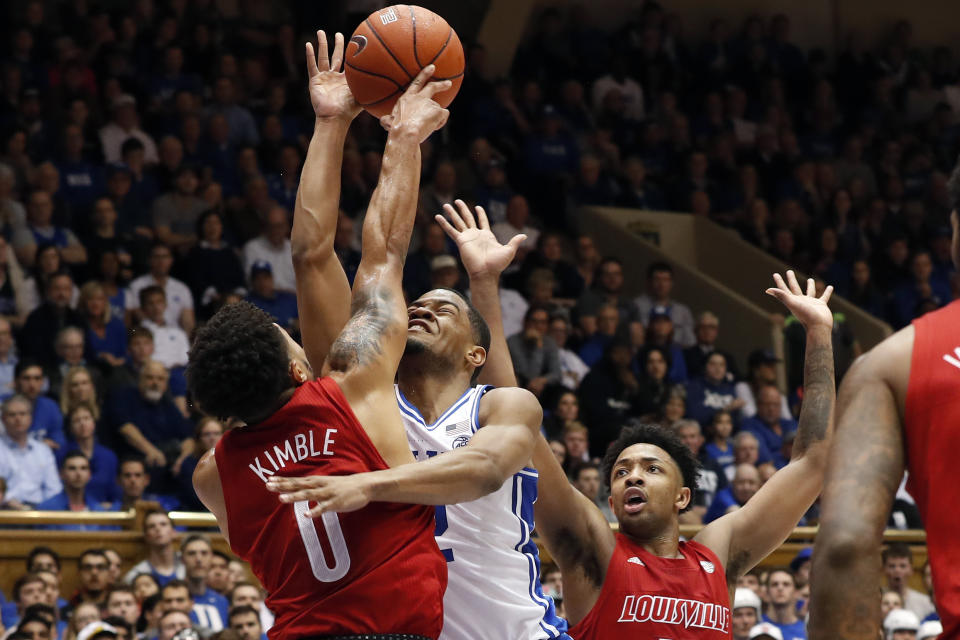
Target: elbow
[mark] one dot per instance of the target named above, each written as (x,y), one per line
(307,256)
(489,476)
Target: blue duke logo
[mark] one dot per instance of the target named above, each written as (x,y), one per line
(461,441)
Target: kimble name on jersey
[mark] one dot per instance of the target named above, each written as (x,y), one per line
(667,610)
(294,450)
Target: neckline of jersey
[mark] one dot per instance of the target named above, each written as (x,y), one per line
(414,413)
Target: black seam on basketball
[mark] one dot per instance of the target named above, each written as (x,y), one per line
(387,49)
(453,77)
(370,104)
(371,73)
(413,20)
(449,36)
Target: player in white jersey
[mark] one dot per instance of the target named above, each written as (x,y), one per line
(494,590)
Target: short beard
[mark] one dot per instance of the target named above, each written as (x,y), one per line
(415,347)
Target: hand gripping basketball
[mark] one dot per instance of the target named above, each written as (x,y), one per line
(416,111)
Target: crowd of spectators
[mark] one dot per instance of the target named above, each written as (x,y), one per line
(149,163)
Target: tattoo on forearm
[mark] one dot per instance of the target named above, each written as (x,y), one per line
(359,342)
(819,397)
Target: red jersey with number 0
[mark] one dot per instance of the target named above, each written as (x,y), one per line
(932,431)
(645,597)
(375,570)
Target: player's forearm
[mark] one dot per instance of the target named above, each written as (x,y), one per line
(318,195)
(485,295)
(457,476)
(390,217)
(815,427)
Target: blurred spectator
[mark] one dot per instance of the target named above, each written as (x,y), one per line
(607,330)
(769,428)
(568,285)
(565,410)
(572,368)
(206,434)
(147,419)
(586,479)
(18,294)
(924,286)
(46,421)
(121,602)
(273,246)
(179,300)
(281,305)
(8,358)
(536,359)
(609,394)
(416,270)
(898,568)
(576,440)
(444,273)
(27,465)
(761,372)
(745,483)
(75,475)
(746,450)
(607,290)
(517,216)
(746,613)
(587,259)
(102,487)
(210,608)
(171,343)
(162,561)
(660,332)
(782,608)
(106,334)
(70,349)
(133,478)
(219,576)
(175,213)
(862,291)
(246,594)
(711,392)
(211,268)
(710,477)
(638,192)
(343,245)
(28,590)
(242,127)
(658,300)
(124,123)
(654,385)
(43,324)
(719,444)
(245,621)
(140,349)
(706,331)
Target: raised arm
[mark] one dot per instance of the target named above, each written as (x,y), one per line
(323,293)
(743,538)
(865,465)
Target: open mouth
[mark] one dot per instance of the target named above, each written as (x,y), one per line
(634,500)
(419,322)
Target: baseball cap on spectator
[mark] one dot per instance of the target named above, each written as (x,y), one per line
(443,262)
(123,100)
(901,620)
(260,266)
(97,630)
(765,631)
(762,356)
(929,630)
(747,598)
(659,311)
(802,557)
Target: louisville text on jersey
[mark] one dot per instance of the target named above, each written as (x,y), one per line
(666,610)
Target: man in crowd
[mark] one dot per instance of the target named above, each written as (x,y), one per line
(706,332)
(179,309)
(176,596)
(26,464)
(746,482)
(770,429)
(273,247)
(122,603)
(246,622)
(29,589)
(711,392)
(140,350)
(133,479)
(247,594)
(782,609)
(171,343)
(746,613)
(658,296)
(42,325)
(40,230)
(218,578)
(282,305)
(586,478)
(710,478)
(898,569)
(94,571)
(36,625)
(536,359)
(608,289)
(47,421)
(162,560)
(147,418)
(75,475)
(197,555)
(172,622)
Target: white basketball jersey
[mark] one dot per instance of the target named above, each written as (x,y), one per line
(493,590)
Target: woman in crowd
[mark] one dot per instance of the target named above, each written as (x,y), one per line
(81,427)
(660,334)
(144,586)
(565,411)
(106,334)
(49,262)
(79,390)
(653,379)
(719,443)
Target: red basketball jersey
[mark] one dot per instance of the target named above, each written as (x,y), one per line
(645,597)
(932,432)
(375,570)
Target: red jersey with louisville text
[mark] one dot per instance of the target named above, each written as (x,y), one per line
(645,597)
(932,434)
(375,570)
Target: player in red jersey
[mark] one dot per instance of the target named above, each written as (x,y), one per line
(377,570)
(644,582)
(899,405)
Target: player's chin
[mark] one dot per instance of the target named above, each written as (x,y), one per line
(417,342)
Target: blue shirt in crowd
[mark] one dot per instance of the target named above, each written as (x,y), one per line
(103,471)
(771,444)
(114,340)
(283,306)
(47,421)
(705,398)
(60,502)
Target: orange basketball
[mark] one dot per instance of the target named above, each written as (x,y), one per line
(390,48)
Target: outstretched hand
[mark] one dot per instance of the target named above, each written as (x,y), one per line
(416,109)
(810,310)
(331,493)
(329,93)
(481,252)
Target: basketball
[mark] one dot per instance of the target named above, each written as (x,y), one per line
(390,47)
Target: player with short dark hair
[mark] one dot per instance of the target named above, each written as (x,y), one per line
(381,572)
(899,408)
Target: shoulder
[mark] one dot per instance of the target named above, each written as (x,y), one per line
(206,477)
(510,401)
